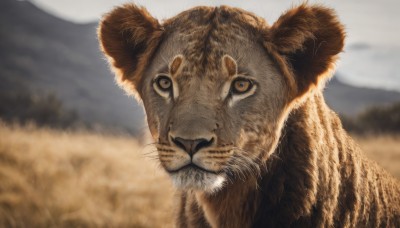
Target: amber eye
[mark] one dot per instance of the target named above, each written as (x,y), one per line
(163,82)
(241,85)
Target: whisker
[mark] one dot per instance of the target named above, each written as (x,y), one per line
(150,152)
(243,165)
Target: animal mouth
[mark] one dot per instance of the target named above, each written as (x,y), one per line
(191,176)
(194,167)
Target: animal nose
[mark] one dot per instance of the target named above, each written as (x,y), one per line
(192,146)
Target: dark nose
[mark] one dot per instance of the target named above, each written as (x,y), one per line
(192,146)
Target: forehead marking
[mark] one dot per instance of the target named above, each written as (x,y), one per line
(230,68)
(175,65)
(175,68)
(229,65)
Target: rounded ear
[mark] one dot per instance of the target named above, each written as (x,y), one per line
(309,37)
(128,36)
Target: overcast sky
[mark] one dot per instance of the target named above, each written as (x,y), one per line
(369,21)
(373,23)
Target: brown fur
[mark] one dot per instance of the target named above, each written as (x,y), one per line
(309,38)
(129,36)
(309,183)
(309,173)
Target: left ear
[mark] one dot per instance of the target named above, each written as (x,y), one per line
(129,36)
(309,38)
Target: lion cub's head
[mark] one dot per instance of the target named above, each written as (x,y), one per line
(217,83)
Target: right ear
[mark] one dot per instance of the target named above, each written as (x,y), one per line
(309,39)
(129,36)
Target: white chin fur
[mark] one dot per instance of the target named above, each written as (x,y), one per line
(198,180)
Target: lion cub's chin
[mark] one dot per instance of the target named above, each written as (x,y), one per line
(193,179)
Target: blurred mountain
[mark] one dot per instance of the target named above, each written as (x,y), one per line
(351,100)
(46,54)
(49,55)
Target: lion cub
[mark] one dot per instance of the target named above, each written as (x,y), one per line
(240,124)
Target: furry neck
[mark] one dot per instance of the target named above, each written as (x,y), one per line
(287,191)
(316,178)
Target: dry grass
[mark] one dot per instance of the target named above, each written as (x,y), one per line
(54,179)
(384,149)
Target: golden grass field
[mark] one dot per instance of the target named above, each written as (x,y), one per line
(51,178)
(385,150)
(54,179)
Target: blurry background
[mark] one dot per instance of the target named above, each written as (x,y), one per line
(71,147)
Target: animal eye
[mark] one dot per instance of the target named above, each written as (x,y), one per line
(163,82)
(241,85)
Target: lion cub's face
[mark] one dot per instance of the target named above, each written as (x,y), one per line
(218,82)
(213,99)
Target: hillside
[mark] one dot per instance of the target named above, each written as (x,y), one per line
(45,54)
(351,100)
